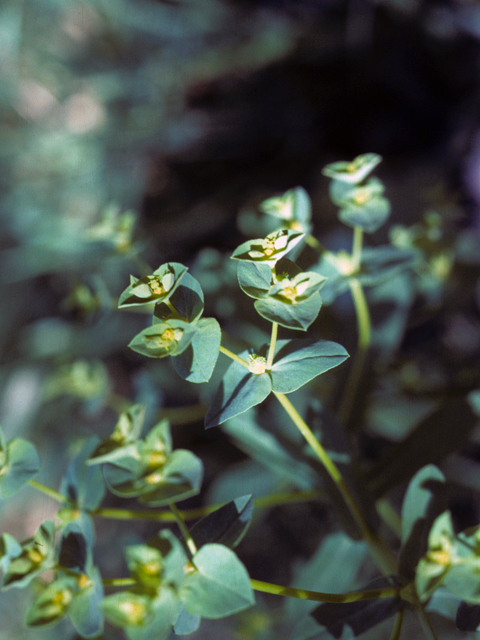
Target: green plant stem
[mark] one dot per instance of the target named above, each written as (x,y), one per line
(183,528)
(380,552)
(273,342)
(118,582)
(318,596)
(55,495)
(357,248)
(314,243)
(397,627)
(364,338)
(425,621)
(194,514)
(233,356)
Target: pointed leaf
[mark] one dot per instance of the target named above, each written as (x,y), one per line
(181,478)
(255,279)
(219,587)
(127,431)
(86,612)
(163,339)
(82,483)
(226,525)
(299,361)
(355,171)
(197,362)
(186,623)
(155,288)
(187,299)
(239,391)
(52,604)
(292,316)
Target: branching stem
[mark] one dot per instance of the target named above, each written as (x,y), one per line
(183,528)
(55,495)
(233,356)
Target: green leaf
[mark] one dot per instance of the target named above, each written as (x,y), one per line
(197,362)
(298,361)
(226,525)
(34,558)
(359,616)
(82,483)
(158,287)
(239,391)
(423,502)
(182,478)
(355,171)
(186,623)
(163,339)
(368,217)
(435,565)
(187,299)
(293,206)
(254,278)
(21,463)
(118,445)
(299,316)
(10,548)
(53,603)
(270,249)
(220,585)
(86,612)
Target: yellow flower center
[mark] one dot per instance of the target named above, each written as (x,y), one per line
(361,197)
(134,611)
(156,287)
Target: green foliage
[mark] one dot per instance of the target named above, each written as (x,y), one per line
(312,432)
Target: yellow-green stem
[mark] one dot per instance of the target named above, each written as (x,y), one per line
(318,596)
(397,627)
(357,248)
(380,552)
(425,621)
(55,495)
(233,356)
(273,342)
(183,528)
(194,514)
(118,582)
(364,338)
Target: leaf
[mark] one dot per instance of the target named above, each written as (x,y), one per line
(163,339)
(127,431)
(270,249)
(359,616)
(239,391)
(10,548)
(186,623)
(443,431)
(83,483)
(219,587)
(155,288)
(299,361)
(226,525)
(423,502)
(86,612)
(22,463)
(52,604)
(255,279)
(197,362)
(299,316)
(355,171)
(187,299)
(182,478)
(368,217)
(33,559)
(293,205)
(468,617)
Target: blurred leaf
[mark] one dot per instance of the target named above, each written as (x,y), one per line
(21,463)
(423,502)
(83,483)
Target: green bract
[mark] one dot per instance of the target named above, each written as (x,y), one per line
(32,558)
(270,249)
(355,171)
(163,339)
(155,288)
(293,207)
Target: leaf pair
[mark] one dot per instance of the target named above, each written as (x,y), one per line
(296,363)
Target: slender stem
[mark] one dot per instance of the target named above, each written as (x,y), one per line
(273,342)
(425,621)
(389,516)
(118,582)
(233,356)
(183,528)
(381,553)
(397,627)
(318,596)
(314,243)
(55,495)
(363,315)
(364,337)
(195,514)
(357,248)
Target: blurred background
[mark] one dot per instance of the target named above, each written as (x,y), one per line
(137,132)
